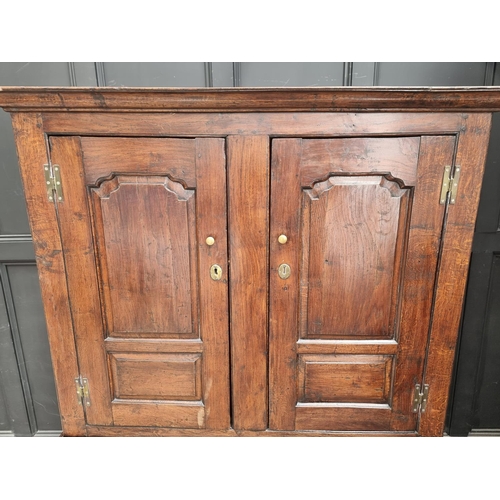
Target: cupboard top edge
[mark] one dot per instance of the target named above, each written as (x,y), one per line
(241,99)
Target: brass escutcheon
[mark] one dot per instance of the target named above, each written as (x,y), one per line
(216,272)
(284,271)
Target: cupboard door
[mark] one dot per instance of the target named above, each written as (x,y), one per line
(151,324)
(349,325)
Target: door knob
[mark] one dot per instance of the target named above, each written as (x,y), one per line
(210,241)
(282,239)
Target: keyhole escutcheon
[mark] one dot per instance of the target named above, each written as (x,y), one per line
(216,272)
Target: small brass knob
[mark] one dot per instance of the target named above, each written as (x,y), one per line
(210,241)
(282,239)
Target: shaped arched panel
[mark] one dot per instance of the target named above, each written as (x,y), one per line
(145,232)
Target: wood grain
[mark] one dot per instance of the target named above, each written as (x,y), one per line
(248,225)
(419,275)
(328,145)
(351,269)
(136,235)
(283,294)
(98,431)
(452,275)
(174,376)
(32,155)
(147,255)
(347,347)
(82,281)
(246,99)
(288,124)
(211,216)
(159,414)
(339,418)
(329,378)
(153,345)
(396,156)
(145,156)
(364,243)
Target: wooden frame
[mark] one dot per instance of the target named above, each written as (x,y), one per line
(249,117)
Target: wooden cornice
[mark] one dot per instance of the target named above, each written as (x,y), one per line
(218,100)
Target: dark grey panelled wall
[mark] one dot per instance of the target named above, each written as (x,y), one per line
(28,403)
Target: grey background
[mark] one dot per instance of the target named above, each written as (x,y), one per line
(28,403)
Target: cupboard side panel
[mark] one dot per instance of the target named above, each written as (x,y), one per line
(452,273)
(32,154)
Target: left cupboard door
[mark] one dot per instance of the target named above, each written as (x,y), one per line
(150,312)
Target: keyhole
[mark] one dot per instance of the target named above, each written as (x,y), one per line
(216,272)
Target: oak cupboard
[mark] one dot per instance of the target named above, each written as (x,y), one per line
(252,261)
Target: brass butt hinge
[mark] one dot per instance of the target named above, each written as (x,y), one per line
(53,182)
(420,398)
(82,390)
(450,184)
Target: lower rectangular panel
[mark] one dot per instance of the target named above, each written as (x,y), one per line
(164,414)
(344,378)
(343,418)
(156,376)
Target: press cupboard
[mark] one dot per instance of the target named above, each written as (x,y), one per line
(252,261)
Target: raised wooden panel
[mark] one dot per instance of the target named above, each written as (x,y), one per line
(175,376)
(396,156)
(353,232)
(331,378)
(146,238)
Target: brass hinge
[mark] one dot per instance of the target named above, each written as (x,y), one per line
(82,390)
(420,398)
(450,184)
(53,182)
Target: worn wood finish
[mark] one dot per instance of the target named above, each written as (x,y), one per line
(159,414)
(395,156)
(96,431)
(82,279)
(211,214)
(32,154)
(330,378)
(347,346)
(284,294)
(360,240)
(134,245)
(248,225)
(176,156)
(137,270)
(156,376)
(419,275)
(276,124)
(153,345)
(372,303)
(247,99)
(452,276)
(353,233)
